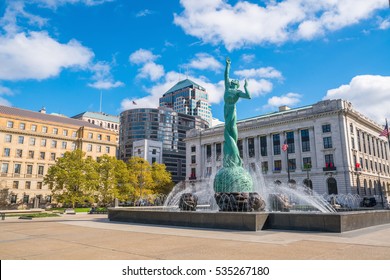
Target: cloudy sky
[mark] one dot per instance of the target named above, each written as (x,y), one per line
(65,54)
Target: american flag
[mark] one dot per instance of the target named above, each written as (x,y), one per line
(385,131)
(285,146)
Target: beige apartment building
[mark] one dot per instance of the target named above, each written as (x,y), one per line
(30,142)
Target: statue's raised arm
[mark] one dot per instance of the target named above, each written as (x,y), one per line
(227,71)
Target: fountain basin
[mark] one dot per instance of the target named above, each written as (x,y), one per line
(253,221)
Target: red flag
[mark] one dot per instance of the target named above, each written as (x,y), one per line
(285,146)
(385,131)
(134,103)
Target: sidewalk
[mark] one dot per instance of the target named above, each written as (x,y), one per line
(93,237)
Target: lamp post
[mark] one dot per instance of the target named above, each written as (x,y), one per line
(358,171)
(380,189)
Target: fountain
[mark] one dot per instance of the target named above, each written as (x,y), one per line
(234,198)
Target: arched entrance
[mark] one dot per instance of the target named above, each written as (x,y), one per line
(332,186)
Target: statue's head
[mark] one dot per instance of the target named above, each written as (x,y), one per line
(235,84)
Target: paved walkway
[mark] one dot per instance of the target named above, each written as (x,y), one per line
(93,237)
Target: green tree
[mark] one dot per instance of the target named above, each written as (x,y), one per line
(142,180)
(114,180)
(73,179)
(162,179)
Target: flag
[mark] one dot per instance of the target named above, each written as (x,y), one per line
(134,103)
(285,146)
(385,131)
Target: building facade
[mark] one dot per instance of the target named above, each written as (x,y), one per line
(162,125)
(103,120)
(32,141)
(189,98)
(332,148)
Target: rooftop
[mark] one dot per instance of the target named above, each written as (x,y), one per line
(5,110)
(184,84)
(99,116)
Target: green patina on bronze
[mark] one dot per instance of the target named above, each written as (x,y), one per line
(232,177)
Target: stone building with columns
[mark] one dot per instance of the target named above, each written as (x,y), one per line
(332,148)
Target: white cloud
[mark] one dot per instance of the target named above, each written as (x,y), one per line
(144,13)
(142,56)
(289,99)
(5,91)
(38,56)
(384,23)
(248,58)
(152,71)
(5,102)
(56,3)
(204,61)
(369,94)
(275,22)
(264,72)
(102,77)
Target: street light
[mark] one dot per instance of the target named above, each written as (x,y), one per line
(358,171)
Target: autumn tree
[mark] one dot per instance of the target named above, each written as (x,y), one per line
(162,179)
(140,170)
(114,180)
(73,179)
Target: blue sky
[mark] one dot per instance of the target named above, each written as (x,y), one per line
(62,54)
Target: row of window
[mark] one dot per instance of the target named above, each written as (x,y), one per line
(44,129)
(33,141)
(30,154)
(98,148)
(98,136)
(18,168)
(107,125)
(27,186)
(370,145)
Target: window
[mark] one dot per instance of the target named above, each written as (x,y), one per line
(26,198)
(13,198)
(28,185)
(108,138)
(7,152)
(19,153)
(208,153)
(353,142)
(22,126)
(8,138)
(90,135)
(193,173)
(30,154)
(65,132)
(154,151)
(74,134)
(89,148)
(209,171)
(99,137)
(306,163)
(98,148)
(251,147)
(33,127)
(107,149)
(29,169)
(292,164)
(53,143)
(43,142)
(64,144)
(305,139)
(4,167)
(218,151)
(240,148)
(17,168)
(20,139)
(290,142)
(193,159)
(42,155)
(263,146)
(327,142)
(364,142)
(193,149)
(44,129)
(277,165)
(41,170)
(52,156)
(73,146)
(39,185)
(15,184)
(358,141)
(32,141)
(351,128)
(153,160)
(276,143)
(326,128)
(369,145)
(55,130)
(329,160)
(10,124)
